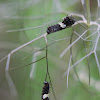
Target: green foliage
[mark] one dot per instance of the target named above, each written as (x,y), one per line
(25,20)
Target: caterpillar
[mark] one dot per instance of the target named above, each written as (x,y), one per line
(67,22)
(45,91)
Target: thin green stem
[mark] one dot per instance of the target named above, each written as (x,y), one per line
(46,62)
(88,33)
(88,21)
(88,11)
(27,64)
(47,74)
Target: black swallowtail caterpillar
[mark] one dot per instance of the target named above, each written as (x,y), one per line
(45,91)
(67,22)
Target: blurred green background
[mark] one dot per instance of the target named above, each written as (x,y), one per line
(17,84)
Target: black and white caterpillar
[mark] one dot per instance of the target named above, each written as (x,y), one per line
(67,22)
(45,91)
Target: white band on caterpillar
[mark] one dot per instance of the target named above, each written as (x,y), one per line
(62,25)
(45,96)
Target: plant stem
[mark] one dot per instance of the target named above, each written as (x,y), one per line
(88,11)
(88,19)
